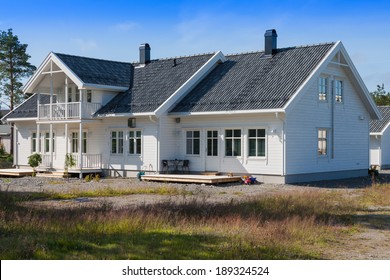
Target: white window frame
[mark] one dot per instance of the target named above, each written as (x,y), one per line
(136,139)
(34,141)
(339,90)
(191,151)
(88,96)
(119,142)
(321,140)
(212,138)
(323,89)
(257,138)
(233,139)
(74,141)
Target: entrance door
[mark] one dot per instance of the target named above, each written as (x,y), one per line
(212,150)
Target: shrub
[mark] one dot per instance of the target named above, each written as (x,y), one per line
(34,161)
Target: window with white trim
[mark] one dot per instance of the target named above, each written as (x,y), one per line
(77,95)
(338,90)
(69,94)
(233,142)
(135,142)
(322,142)
(34,143)
(322,88)
(256,142)
(193,142)
(212,143)
(75,142)
(89,96)
(116,142)
(47,142)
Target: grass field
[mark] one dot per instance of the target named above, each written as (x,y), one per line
(290,225)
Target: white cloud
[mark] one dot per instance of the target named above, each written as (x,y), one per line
(84,45)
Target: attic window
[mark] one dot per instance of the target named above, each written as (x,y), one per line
(338,88)
(322,88)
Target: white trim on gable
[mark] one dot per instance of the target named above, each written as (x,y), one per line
(363,92)
(186,87)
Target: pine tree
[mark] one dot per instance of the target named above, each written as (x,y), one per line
(14,66)
(380,96)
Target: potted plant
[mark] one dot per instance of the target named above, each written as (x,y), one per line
(34,161)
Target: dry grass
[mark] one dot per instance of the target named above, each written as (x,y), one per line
(290,225)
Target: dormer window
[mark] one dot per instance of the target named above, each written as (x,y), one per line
(322,88)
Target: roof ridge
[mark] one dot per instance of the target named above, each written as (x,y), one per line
(93,58)
(284,48)
(177,57)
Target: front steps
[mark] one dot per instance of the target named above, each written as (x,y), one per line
(51,174)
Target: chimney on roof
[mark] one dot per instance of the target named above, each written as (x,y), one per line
(144,53)
(270,42)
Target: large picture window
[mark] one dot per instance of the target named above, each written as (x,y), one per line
(193,142)
(233,142)
(135,142)
(116,142)
(256,139)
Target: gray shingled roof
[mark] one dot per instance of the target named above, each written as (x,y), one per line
(98,71)
(376,126)
(154,83)
(28,109)
(251,81)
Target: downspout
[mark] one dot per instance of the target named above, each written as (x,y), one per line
(333,101)
(157,122)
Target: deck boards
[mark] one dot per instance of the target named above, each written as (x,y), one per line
(190,178)
(16,172)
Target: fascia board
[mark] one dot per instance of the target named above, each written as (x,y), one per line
(369,102)
(125,115)
(190,83)
(323,63)
(21,119)
(104,87)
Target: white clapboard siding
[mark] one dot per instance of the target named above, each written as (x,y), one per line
(351,126)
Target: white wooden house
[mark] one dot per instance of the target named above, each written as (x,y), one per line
(380,139)
(282,114)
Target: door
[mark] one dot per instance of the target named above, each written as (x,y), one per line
(212,150)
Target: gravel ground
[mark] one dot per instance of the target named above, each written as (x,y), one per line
(371,242)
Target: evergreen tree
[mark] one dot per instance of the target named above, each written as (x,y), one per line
(380,96)
(14,66)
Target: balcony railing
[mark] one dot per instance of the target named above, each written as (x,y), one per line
(70,110)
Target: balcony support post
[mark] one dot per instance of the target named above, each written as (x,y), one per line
(66,97)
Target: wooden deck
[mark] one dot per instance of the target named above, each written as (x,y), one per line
(14,172)
(191,178)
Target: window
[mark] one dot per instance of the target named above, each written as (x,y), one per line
(77,95)
(256,142)
(193,142)
(212,143)
(322,88)
(34,147)
(135,142)
(75,142)
(233,142)
(117,142)
(89,96)
(322,142)
(338,88)
(69,94)
(47,142)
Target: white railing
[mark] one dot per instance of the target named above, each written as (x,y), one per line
(45,160)
(89,160)
(70,110)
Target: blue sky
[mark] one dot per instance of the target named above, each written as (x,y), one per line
(114,29)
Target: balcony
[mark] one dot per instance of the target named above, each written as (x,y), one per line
(68,111)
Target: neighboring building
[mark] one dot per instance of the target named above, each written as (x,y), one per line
(284,115)
(5,137)
(380,139)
